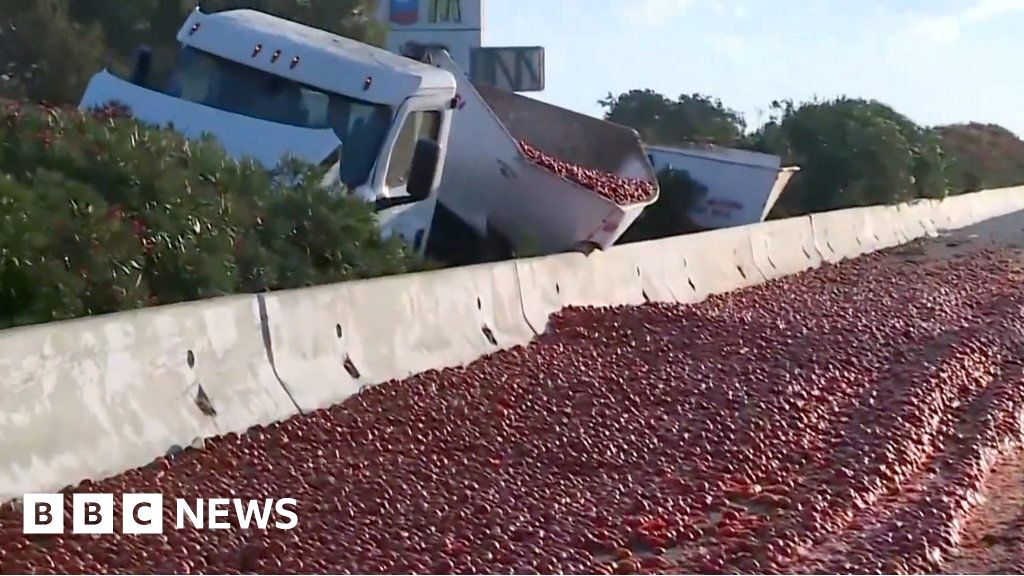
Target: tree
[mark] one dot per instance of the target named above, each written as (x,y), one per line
(125,24)
(853,153)
(689,118)
(982,156)
(48,56)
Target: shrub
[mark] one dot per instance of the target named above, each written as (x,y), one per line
(853,153)
(983,156)
(687,119)
(100,213)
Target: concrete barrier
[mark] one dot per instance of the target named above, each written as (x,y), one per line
(996,203)
(885,228)
(554,282)
(784,247)
(682,269)
(1017,195)
(329,342)
(1015,198)
(663,270)
(90,398)
(719,261)
(978,208)
(917,219)
(963,210)
(840,235)
(843,234)
(956,212)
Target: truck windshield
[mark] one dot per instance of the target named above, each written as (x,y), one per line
(361,126)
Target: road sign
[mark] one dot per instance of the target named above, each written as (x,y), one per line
(514,69)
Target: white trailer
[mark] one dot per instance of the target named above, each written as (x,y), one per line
(742,186)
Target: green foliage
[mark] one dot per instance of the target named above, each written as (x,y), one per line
(60,254)
(52,47)
(693,118)
(99,214)
(982,156)
(670,215)
(46,55)
(852,153)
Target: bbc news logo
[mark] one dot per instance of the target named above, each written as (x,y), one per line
(144,514)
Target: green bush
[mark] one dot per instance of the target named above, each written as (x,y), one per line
(852,153)
(687,119)
(982,156)
(99,213)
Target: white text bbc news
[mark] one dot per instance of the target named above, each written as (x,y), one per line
(144,514)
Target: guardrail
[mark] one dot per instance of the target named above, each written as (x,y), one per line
(94,397)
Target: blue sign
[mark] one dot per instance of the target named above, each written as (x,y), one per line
(405,11)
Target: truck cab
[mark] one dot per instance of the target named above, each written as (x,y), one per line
(269,88)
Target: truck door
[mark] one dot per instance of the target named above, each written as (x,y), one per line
(417,125)
(411,220)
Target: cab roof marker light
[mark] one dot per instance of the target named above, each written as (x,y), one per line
(367,83)
(295,62)
(275,57)
(256,51)
(195,28)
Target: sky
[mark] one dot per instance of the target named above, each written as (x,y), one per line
(937,61)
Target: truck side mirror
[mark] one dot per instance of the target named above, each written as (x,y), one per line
(143,63)
(424,169)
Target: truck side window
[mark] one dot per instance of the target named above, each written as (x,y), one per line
(445,11)
(418,126)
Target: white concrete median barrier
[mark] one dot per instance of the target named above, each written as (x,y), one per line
(719,261)
(784,247)
(839,235)
(662,268)
(917,219)
(957,212)
(885,228)
(329,342)
(551,283)
(683,269)
(996,203)
(90,398)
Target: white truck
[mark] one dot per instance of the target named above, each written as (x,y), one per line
(267,88)
(389,127)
